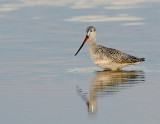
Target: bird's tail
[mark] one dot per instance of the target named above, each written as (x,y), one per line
(142,59)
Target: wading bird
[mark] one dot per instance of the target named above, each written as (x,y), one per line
(107,58)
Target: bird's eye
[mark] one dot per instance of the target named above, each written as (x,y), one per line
(90,30)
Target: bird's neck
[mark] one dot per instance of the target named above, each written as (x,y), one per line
(92,41)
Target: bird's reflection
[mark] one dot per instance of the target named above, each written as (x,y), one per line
(108,83)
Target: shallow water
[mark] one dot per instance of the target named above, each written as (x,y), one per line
(42,82)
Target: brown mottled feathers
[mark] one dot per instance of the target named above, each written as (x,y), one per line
(118,56)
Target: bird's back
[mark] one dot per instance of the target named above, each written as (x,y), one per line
(109,58)
(118,56)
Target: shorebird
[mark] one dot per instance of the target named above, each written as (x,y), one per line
(107,58)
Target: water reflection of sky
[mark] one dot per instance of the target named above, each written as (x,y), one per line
(42,17)
(38,71)
(103,5)
(74,4)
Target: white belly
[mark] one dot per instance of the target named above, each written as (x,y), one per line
(105,62)
(108,64)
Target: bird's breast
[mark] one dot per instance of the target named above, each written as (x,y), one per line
(101,60)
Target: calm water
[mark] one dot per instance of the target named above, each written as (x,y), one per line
(41,82)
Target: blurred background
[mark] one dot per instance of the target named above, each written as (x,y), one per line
(42,82)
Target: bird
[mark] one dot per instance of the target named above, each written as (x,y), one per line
(107,58)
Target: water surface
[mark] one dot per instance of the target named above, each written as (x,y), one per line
(42,82)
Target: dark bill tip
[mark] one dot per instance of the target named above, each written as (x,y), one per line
(85,40)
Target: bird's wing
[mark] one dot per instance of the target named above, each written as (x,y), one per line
(118,56)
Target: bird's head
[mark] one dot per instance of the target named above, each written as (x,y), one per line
(91,33)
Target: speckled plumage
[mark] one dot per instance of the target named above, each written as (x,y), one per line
(107,58)
(118,56)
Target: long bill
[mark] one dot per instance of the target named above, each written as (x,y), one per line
(85,40)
